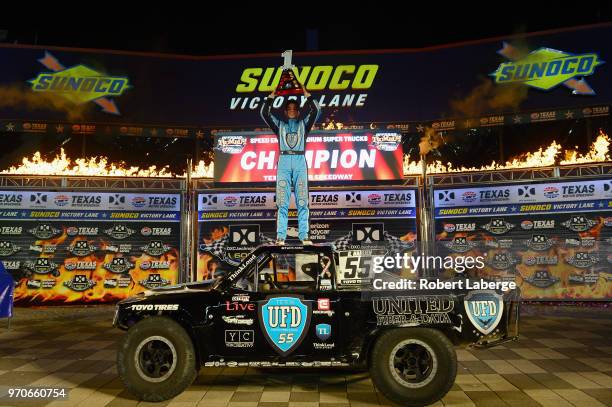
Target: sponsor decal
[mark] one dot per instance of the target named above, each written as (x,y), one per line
(116,199)
(61,200)
(155,248)
(494,195)
(323,331)
(154,265)
(110,283)
(469,196)
(122,248)
(80,283)
(498,226)
(138,202)
(386,141)
(412,311)
(284,322)
(147,231)
(231,201)
(374,199)
(119,232)
(586,241)
(542,279)
(502,261)
(484,310)
(539,243)
(11,200)
(324,307)
(81,248)
(582,260)
(551,192)
(540,260)
(44,231)
(154,281)
(237,320)
(460,244)
(86,201)
(11,230)
(239,306)
(162,202)
(8,248)
(154,307)
(267,363)
(579,223)
(241,298)
(119,265)
(537,224)
(230,144)
(498,243)
(80,265)
(42,266)
(239,338)
(82,231)
(12,264)
(585,278)
(368,233)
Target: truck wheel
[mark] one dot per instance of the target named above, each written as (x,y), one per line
(413,366)
(156,359)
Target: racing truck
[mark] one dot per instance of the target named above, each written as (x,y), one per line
(305,306)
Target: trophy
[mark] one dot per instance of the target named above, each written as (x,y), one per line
(288,84)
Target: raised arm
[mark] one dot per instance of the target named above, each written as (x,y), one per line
(266,113)
(314,111)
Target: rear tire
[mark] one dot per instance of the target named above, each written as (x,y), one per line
(413,366)
(156,359)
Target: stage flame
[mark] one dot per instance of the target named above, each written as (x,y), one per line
(100,166)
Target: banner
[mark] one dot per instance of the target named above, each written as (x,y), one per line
(554,239)
(231,224)
(88,247)
(114,93)
(330,156)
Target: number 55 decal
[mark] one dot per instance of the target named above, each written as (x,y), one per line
(285,338)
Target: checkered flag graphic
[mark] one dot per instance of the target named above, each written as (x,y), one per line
(392,244)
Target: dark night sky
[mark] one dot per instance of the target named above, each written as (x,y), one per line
(206,30)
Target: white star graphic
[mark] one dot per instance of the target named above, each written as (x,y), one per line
(516,119)
(59,128)
(420,128)
(569,115)
(10,127)
(154,132)
(199,133)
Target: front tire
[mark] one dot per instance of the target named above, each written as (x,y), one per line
(413,366)
(156,359)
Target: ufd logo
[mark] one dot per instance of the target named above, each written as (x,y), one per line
(484,309)
(546,68)
(284,321)
(79,84)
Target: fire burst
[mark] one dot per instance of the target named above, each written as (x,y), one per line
(61,165)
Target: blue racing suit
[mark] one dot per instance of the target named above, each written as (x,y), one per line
(291,169)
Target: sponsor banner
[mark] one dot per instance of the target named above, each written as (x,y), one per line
(554,251)
(591,190)
(101,201)
(93,258)
(226,236)
(330,156)
(319,199)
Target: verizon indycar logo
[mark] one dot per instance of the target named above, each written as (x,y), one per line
(155,248)
(119,232)
(498,226)
(8,249)
(386,141)
(119,265)
(44,231)
(460,245)
(81,248)
(579,223)
(582,260)
(231,144)
(80,283)
(154,281)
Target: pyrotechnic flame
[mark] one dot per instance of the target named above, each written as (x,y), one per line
(100,166)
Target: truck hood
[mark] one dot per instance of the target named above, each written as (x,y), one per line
(196,286)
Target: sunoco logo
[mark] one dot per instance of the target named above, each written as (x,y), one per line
(79,84)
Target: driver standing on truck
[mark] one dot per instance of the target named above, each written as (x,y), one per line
(292,170)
